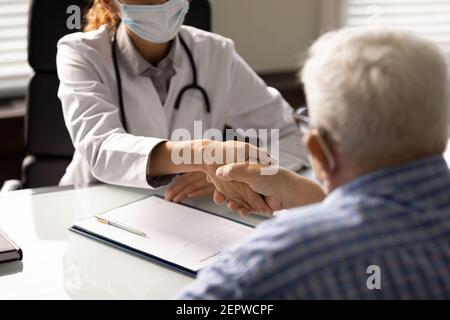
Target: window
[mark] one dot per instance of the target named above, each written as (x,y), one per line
(430,18)
(14,69)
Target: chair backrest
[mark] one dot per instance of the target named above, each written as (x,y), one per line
(48,143)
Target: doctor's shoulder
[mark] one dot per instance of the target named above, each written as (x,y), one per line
(207,40)
(92,43)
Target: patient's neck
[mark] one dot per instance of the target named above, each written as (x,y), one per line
(153,53)
(348,169)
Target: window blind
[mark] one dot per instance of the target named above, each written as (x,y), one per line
(430,18)
(14,69)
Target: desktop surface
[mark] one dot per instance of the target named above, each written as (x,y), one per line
(60,264)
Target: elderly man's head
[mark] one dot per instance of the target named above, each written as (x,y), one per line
(376,98)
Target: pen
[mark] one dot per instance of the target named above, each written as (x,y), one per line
(119,225)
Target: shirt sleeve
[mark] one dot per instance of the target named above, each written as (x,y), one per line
(255,105)
(243,270)
(230,279)
(287,257)
(92,119)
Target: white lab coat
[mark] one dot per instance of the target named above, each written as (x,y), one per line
(105,152)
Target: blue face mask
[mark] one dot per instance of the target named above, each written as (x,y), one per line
(155,23)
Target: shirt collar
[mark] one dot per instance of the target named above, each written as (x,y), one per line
(133,60)
(395,178)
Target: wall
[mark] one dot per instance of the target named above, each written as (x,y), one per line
(270,34)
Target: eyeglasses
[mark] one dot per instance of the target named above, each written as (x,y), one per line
(301,117)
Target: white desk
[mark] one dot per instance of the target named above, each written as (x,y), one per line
(59,264)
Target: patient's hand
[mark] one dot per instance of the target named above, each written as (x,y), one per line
(283,190)
(235,191)
(238,193)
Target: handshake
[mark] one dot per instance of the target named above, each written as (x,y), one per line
(249,180)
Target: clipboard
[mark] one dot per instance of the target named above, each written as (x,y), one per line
(184,211)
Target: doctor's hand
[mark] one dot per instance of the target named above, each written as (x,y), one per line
(189,185)
(283,190)
(235,191)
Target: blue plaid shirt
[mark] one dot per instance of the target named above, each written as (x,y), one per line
(385,235)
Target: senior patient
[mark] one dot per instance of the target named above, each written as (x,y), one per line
(378,103)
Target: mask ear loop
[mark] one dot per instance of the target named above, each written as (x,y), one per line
(328,155)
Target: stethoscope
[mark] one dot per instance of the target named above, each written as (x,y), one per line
(193,86)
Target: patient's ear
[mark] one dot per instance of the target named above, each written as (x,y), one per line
(319,151)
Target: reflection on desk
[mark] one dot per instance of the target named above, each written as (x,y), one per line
(59,264)
(93,270)
(11,268)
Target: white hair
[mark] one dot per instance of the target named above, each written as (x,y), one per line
(378,92)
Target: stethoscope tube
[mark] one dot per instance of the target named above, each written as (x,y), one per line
(193,86)
(119,83)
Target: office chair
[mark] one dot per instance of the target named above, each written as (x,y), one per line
(48,144)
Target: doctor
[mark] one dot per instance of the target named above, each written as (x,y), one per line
(136,74)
